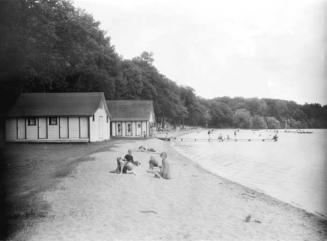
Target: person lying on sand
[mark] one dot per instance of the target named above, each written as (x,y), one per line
(164,169)
(142,148)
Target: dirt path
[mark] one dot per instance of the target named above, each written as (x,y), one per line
(93,204)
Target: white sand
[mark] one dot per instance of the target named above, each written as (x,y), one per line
(93,204)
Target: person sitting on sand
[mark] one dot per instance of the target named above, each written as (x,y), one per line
(164,169)
(129,158)
(124,166)
(153,163)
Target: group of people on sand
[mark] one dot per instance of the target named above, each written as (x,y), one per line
(127,165)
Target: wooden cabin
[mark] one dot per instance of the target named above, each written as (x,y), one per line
(131,118)
(58,117)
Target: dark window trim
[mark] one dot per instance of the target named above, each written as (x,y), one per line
(121,129)
(29,121)
(126,129)
(52,117)
(137,128)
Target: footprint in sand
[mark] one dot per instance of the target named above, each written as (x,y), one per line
(148,211)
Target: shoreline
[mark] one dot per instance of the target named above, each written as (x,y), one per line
(317,214)
(92,204)
(253,190)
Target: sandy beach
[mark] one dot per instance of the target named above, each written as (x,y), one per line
(94,204)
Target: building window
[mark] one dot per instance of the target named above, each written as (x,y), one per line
(139,125)
(93,118)
(107,119)
(129,129)
(52,121)
(32,121)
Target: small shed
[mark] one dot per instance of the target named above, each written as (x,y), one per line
(131,118)
(58,117)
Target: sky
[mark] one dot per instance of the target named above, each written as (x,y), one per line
(253,48)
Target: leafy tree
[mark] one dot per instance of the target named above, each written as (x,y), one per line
(51,46)
(221,115)
(272,122)
(258,122)
(242,118)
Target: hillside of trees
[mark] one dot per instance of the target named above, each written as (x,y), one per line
(52,46)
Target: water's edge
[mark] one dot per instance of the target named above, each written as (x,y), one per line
(257,191)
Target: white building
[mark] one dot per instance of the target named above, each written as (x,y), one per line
(58,117)
(131,118)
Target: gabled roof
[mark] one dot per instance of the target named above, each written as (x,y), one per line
(128,110)
(58,104)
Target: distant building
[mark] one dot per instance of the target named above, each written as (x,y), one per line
(131,118)
(58,117)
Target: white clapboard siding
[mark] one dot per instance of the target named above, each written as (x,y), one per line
(113,128)
(134,128)
(21,128)
(99,133)
(100,126)
(123,128)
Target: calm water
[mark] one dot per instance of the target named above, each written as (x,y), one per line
(293,169)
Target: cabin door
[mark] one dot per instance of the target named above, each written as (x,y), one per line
(84,127)
(138,129)
(119,129)
(21,130)
(144,129)
(129,129)
(42,128)
(63,123)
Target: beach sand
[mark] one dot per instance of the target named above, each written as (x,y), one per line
(94,204)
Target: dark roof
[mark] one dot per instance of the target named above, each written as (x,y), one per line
(56,104)
(130,109)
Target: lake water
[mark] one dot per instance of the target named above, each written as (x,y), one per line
(293,169)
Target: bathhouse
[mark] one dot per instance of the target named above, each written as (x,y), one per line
(58,117)
(131,118)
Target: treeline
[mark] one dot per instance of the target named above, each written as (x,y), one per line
(51,46)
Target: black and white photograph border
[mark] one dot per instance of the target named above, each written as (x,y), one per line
(163,120)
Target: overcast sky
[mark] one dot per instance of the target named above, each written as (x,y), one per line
(250,48)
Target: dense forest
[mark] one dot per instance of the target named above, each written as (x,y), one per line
(52,46)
